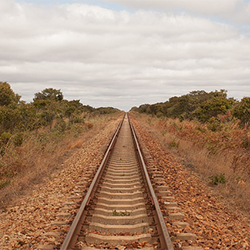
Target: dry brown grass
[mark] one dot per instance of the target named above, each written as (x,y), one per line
(215,156)
(42,153)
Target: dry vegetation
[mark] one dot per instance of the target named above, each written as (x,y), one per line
(41,153)
(36,137)
(216,226)
(34,220)
(222,158)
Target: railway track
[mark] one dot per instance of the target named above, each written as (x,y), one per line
(120,210)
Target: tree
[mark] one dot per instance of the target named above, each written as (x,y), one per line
(9,118)
(49,94)
(242,110)
(213,107)
(198,104)
(7,95)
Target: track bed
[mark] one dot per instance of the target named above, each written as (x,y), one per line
(119,212)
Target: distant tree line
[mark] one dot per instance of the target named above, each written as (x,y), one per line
(212,107)
(49,108)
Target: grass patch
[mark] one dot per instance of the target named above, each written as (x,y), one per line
(218,155)
(174,144)
(125,213)
(31,157)
(217,179)
(4,183)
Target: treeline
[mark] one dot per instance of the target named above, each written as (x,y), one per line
(48,109)
(213,108)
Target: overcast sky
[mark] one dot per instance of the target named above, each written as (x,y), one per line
(124,53)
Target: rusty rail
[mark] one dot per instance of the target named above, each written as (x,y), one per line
(75,228)
(76,225)
(166,243)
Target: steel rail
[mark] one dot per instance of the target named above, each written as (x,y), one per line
(76,225)
(165,240)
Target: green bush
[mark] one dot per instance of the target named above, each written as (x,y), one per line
(48,110)
(201,106)
(4,184)
(2,151)
(76,119)
(18,139)
(60,125)
(5,137)
(246,140)
(159,114)
(214,125)
(217,179)
(49,94)
(212,108)
(174,144)
(242,110)
(125,213)
(7,95)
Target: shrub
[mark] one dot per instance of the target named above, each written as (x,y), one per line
(76,119)
(18,139)
(242,110)
(159,114)
(218,178)
(214,125)
(89,125)
(174,144)
(4,138)
(7,95)
(245,140)
(49,94)
(60,125)
(4,183)
(125,213)
(212,108)
(2,151)
(200,128)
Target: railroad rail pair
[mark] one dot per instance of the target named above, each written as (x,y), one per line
(120,207)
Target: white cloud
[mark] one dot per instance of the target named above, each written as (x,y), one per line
(230,10)
(121,59)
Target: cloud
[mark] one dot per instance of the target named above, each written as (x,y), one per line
(118,58)
(230,10)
